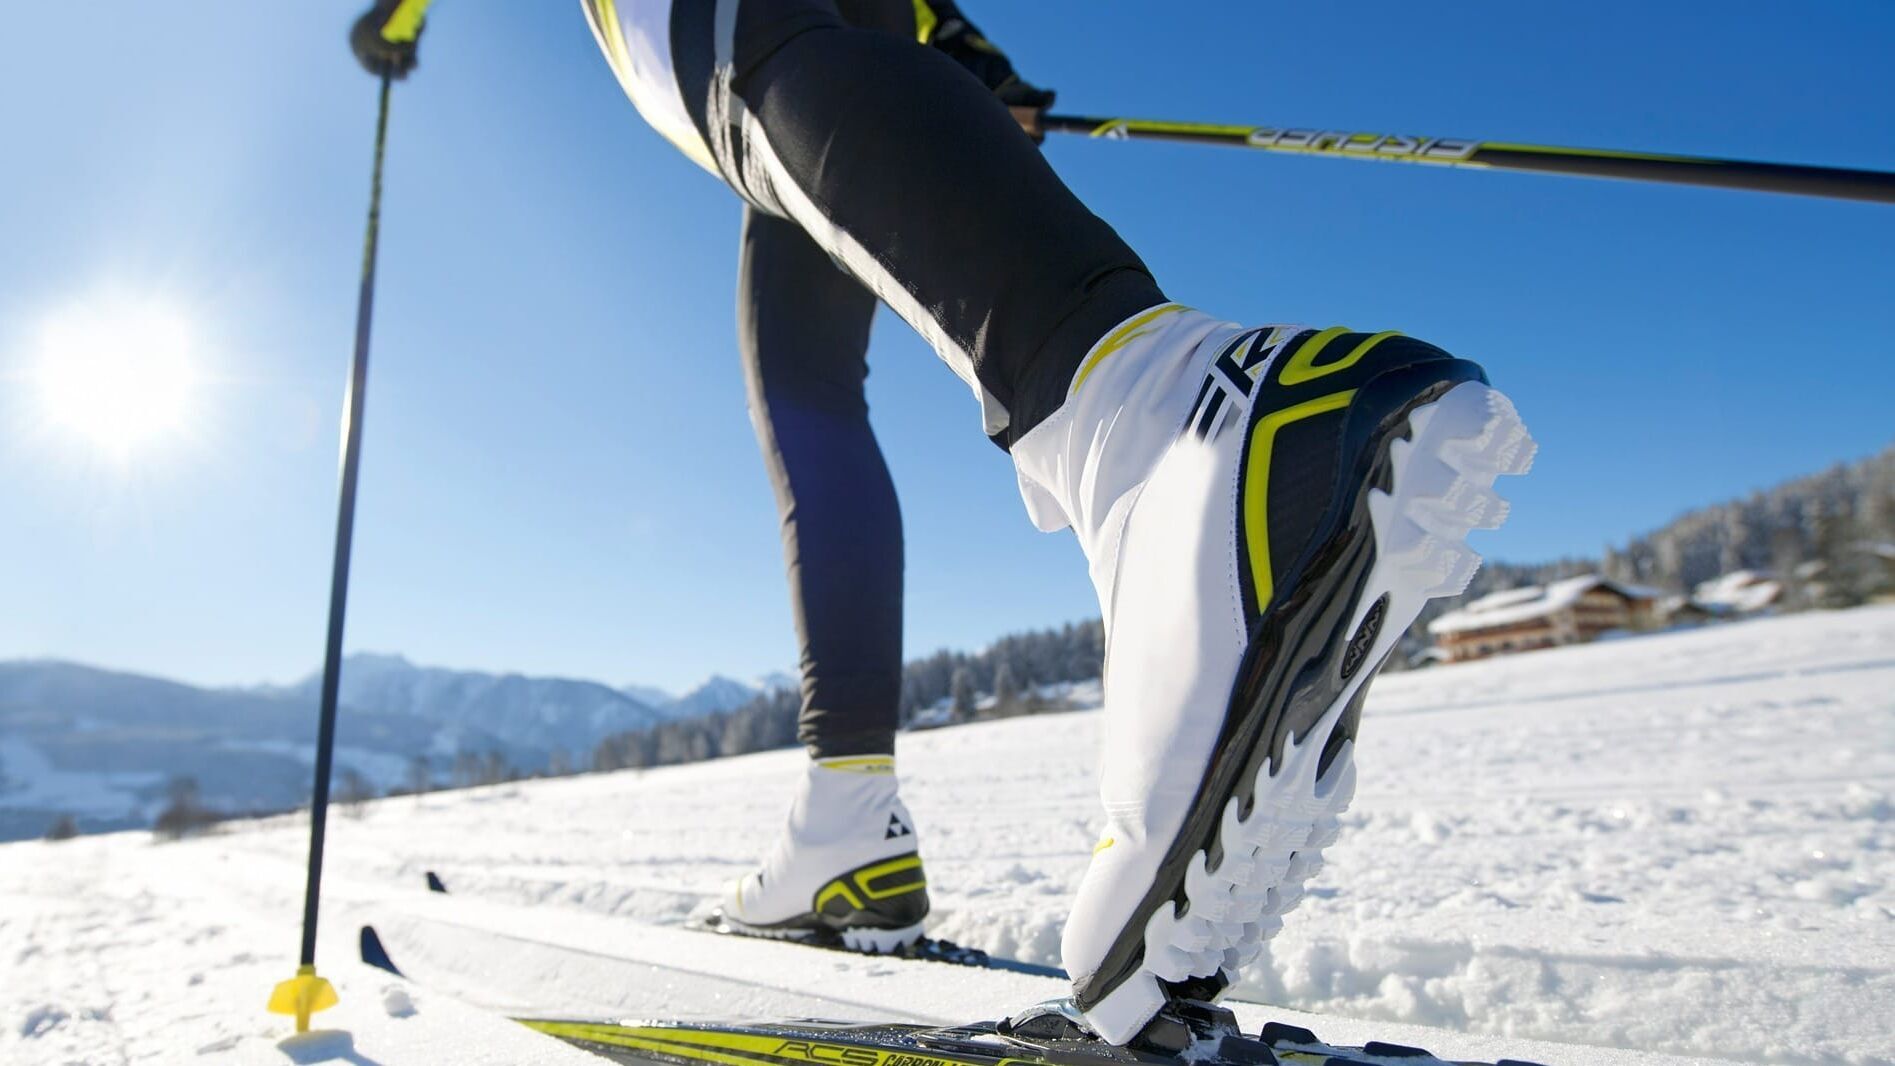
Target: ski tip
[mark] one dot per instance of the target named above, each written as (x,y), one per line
(435,884)
(374,953)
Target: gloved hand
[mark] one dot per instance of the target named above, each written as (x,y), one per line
(963,43)
(1016,92)
(1028,103)
(384,47)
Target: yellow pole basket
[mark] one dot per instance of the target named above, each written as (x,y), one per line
(302,995)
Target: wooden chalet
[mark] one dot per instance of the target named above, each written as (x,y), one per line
(1572,611)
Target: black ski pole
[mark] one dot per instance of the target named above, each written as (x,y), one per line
(307,993)
(1835,182)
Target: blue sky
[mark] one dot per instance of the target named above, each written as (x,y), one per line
(560,476)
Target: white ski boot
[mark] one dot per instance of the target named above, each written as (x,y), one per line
(1265,511)
(845,872)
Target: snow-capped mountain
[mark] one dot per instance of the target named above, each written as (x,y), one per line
(536,713)
(649,695)
(103,746)
(714,695)
(776,679)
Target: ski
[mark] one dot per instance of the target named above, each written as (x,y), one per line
(927,949)
(1205,1035)
(1052,1034)
(375,954)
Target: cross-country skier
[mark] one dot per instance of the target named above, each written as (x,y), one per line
(1263,510)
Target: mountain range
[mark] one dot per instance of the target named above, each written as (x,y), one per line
(104,746)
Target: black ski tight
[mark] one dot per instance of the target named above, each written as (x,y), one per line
(857,148)
(909,173)
(803,331)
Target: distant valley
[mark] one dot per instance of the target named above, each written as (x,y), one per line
(103,746)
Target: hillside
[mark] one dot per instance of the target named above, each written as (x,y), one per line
(1826,532)
(1680,845)
(104,746)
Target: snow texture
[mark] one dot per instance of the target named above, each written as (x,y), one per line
(1676,845)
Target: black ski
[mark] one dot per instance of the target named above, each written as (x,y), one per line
(375,954)
(1200,1034)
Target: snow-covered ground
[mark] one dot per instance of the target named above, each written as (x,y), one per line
(1681,844)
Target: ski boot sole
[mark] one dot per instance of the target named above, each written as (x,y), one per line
(1431,486)
(862,939)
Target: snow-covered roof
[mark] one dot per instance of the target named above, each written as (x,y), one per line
(1524,604)
(1740,590)
(1496,600)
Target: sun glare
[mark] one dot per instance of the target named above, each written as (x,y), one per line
(120,378)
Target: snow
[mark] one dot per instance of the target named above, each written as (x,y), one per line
(1667,846)
(383,769)
(28,779)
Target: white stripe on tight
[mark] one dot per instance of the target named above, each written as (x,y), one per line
(870,271)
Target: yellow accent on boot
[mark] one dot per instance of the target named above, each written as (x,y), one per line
(864,880)
(1257,485)
(860,764)
(613,37)
(835,888)
(866,877)
(302,995)
(1117,340)
(1299,368)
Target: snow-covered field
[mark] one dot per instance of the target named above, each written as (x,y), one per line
(1682,845)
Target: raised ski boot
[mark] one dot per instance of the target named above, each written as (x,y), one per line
(845,872)
(1264,511)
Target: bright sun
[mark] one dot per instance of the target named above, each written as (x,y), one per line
(120,377)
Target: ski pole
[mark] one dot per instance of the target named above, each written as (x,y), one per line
(307,993)
(1835,182)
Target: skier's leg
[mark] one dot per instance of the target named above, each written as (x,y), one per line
(803,329)
(1264,511)
(904,169)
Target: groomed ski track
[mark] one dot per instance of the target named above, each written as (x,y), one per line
(487,955)
(1631,852)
